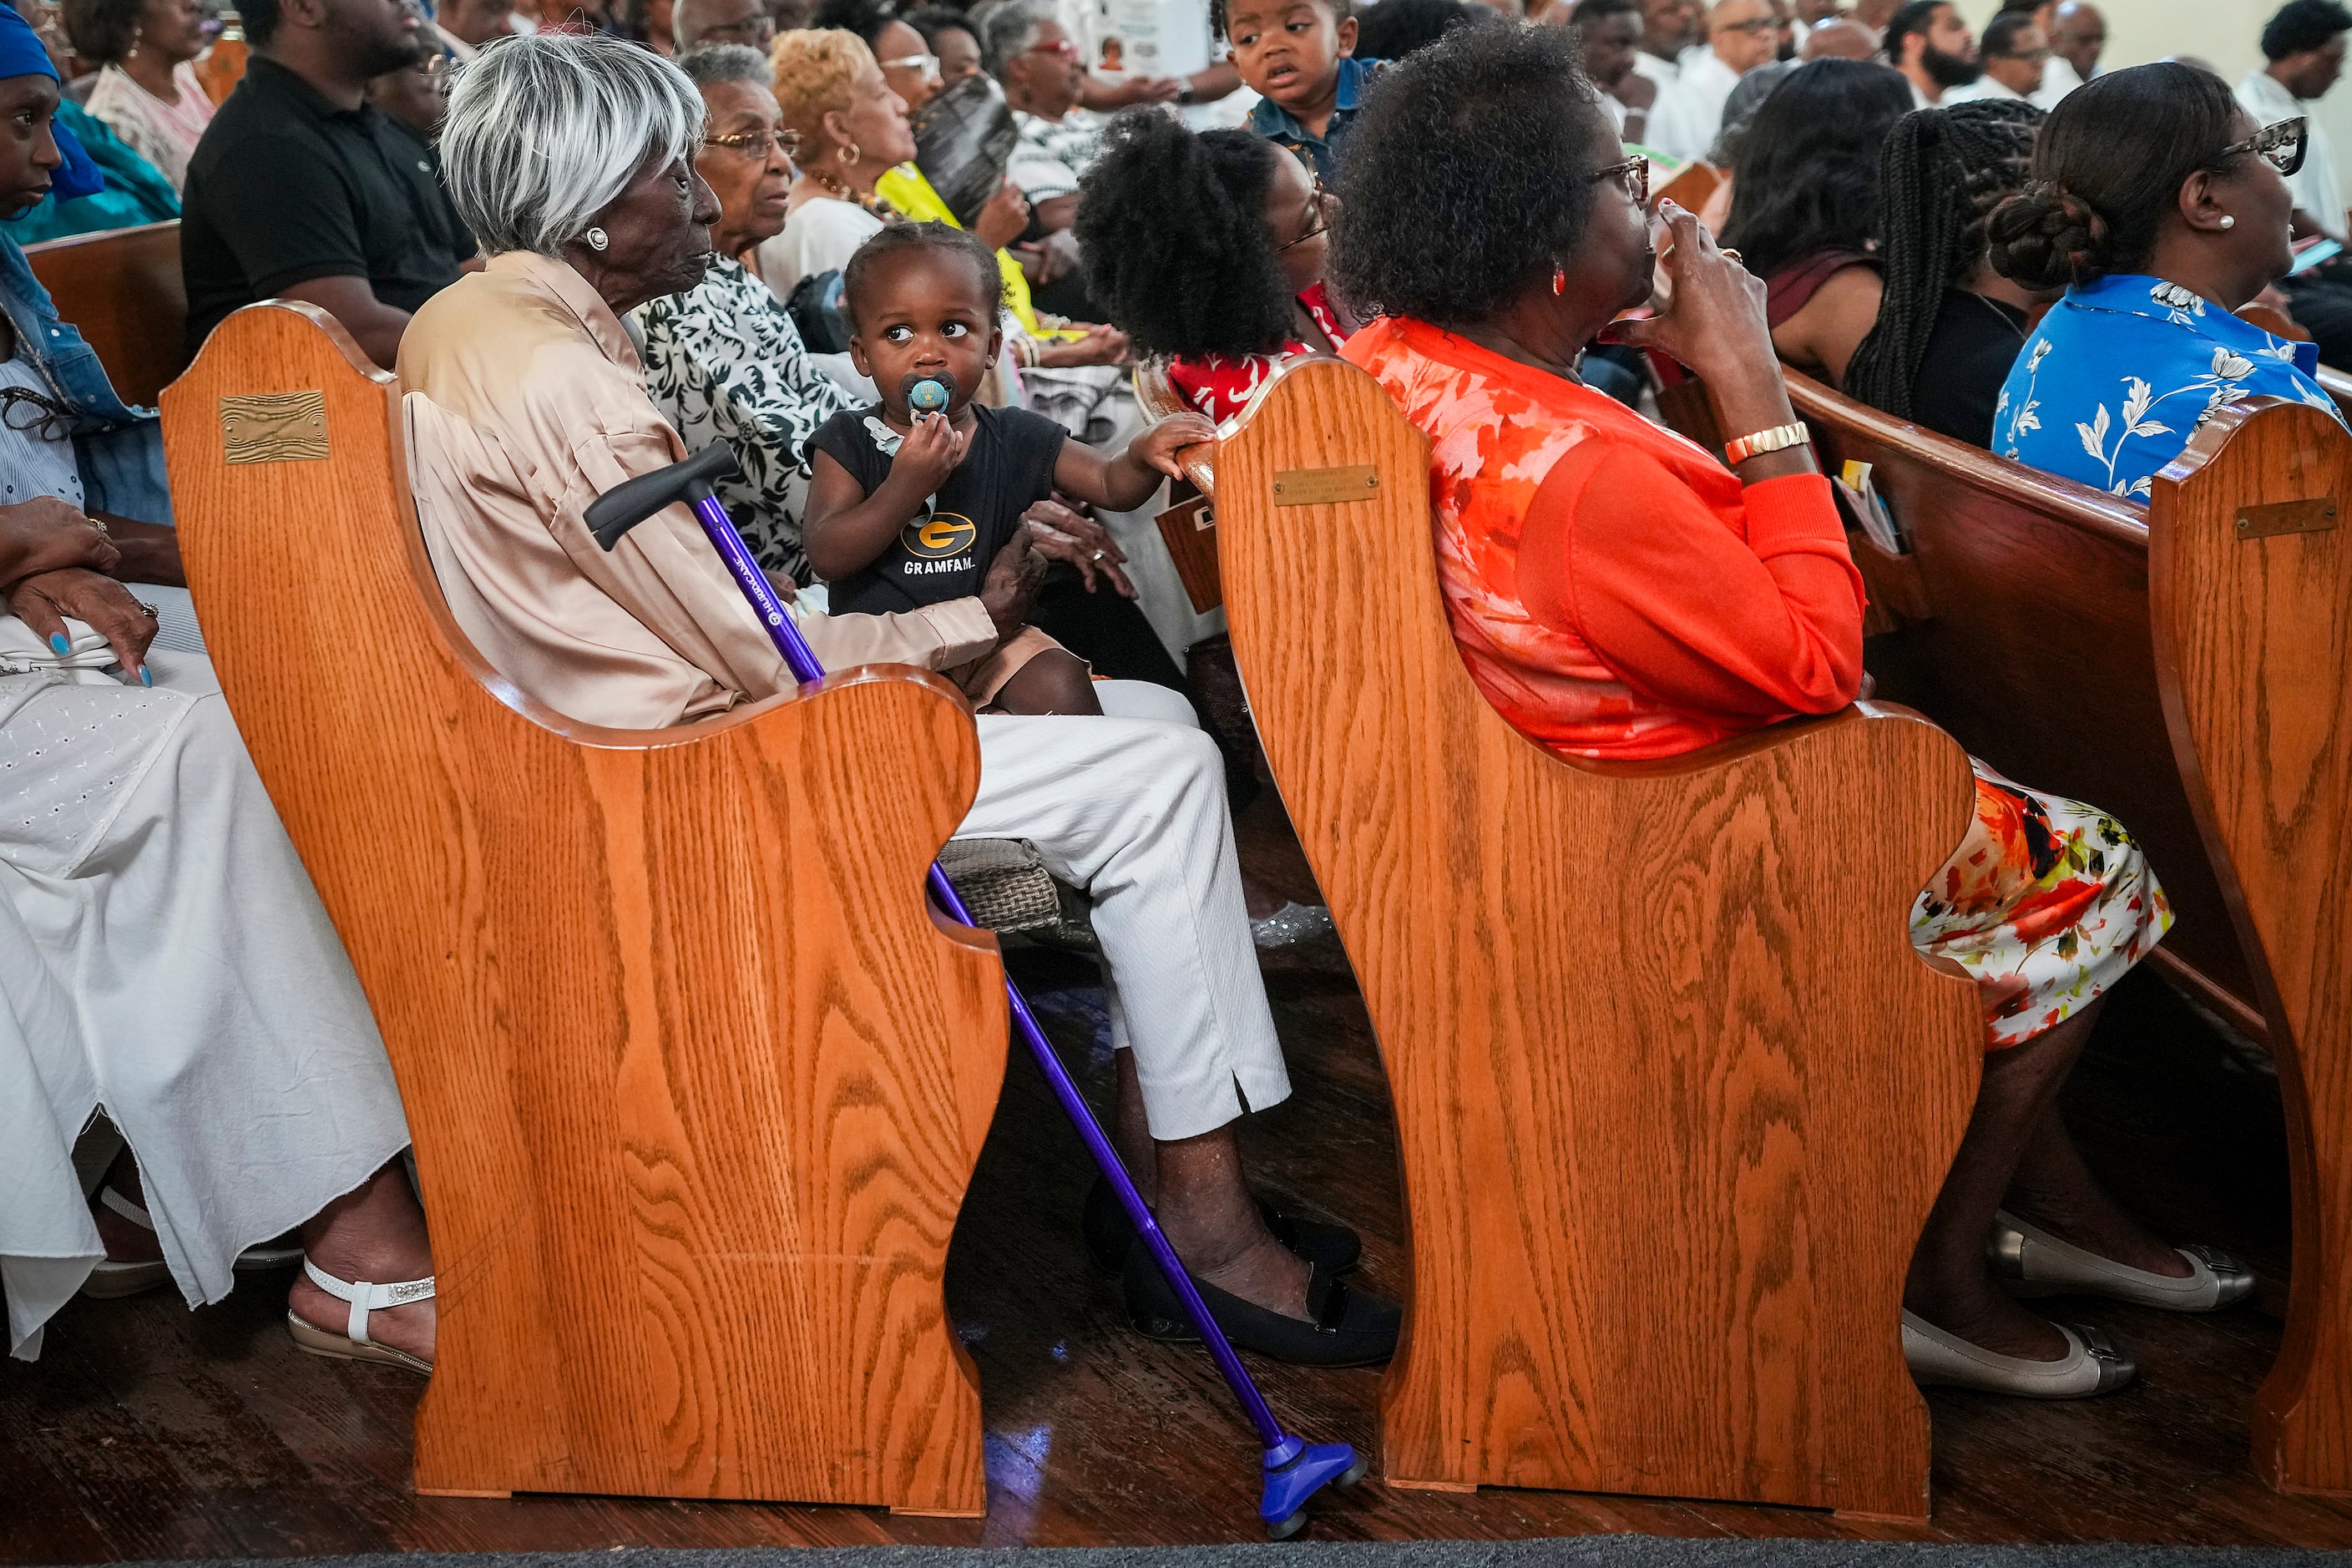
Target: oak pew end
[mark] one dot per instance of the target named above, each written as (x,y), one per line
(694,1106)
(2251,578)
(1674,1092)
(122,288)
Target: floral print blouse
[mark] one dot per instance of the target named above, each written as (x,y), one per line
(724,362)
(2121,373)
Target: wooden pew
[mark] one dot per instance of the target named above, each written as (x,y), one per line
(122,288)
(2251,570)
(2023,631)
(697,1079)
(1189,525)
(1674,1092)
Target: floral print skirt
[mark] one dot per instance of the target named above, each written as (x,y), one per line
(2047,903)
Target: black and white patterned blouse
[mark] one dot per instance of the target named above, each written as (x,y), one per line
(724,362)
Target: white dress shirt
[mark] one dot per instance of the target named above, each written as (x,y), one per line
(1690,113)
(2059,78)
(2318,190)
(1984,88)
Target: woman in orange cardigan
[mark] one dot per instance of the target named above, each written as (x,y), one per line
(1618,593)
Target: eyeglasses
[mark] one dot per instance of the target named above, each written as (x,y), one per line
(758,143)
(1762,24)
(2281,146)
(927,64)
(1320,203)
(1061,47)
(2035,56)
(23,409)
(1634,173)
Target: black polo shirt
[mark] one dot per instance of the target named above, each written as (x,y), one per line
(286,187)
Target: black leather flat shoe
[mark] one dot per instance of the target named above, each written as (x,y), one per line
(1324,1242)
(1350,1327)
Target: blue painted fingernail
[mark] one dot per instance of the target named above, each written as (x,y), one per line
(146,675)
(58,643)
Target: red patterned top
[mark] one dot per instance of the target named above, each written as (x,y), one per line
(1221,388)
(1614,589)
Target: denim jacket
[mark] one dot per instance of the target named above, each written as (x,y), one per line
(119,448)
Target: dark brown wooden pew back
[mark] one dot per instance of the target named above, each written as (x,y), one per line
(122,288)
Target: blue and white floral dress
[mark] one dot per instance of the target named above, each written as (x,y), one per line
(2122,372)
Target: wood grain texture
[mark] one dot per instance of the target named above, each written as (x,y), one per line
(2035,650)
(695,1078)
(123,290)
(1674,1092)
(2253,640)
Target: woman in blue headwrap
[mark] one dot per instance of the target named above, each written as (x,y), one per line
(162,952)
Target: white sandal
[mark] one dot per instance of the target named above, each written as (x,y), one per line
(364,1297)
(110,1279)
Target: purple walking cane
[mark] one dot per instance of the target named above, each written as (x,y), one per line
(1294,1469)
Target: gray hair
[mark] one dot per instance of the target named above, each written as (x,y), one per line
(545,132)
(715,65)
(1009,30)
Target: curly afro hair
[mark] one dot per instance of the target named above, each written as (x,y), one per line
(1462,176)
(1171,231)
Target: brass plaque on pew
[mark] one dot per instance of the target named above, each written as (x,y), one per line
(1326,487)
(274,427)
(2286,517)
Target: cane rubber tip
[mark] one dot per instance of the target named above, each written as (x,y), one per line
(1287,1528)
(928,396)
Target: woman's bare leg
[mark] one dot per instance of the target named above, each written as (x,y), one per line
(1949,1284)
(376,1233)
(1200,1194)
(2055,1189)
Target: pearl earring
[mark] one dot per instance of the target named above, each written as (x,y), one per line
(2228,222)
(597,238)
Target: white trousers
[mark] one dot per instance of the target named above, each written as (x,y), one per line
(1130,807)
(163,955)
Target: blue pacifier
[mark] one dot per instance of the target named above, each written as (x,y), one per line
(929,394)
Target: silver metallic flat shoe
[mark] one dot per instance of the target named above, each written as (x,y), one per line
(2092,1366)
(2029,1262)
(1291,924)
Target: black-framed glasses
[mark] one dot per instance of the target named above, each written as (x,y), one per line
(1319,202)
(33,413)
(758,143)
(2282,146)
(1634,173)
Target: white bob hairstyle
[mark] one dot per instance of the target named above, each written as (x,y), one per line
(546,129)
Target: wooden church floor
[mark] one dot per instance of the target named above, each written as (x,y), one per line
(146,1431)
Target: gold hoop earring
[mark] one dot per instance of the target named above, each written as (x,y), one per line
(848,154)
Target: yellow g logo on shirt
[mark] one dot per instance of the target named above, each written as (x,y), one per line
(937,536)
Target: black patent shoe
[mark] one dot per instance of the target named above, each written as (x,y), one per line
(1349,1327)
(1109,1234)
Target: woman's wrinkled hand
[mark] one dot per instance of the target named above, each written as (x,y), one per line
(1101,346)
(46,535)
(46,599)
(1004,220)
(1063,533)
(1008,590)
(1716,323)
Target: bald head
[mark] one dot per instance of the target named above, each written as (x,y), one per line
(2078,35)
(1840,39)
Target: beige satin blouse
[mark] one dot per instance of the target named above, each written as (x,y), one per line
(525,403)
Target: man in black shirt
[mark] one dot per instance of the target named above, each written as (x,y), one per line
(301,190)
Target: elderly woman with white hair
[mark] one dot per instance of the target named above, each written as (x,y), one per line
(573,160)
